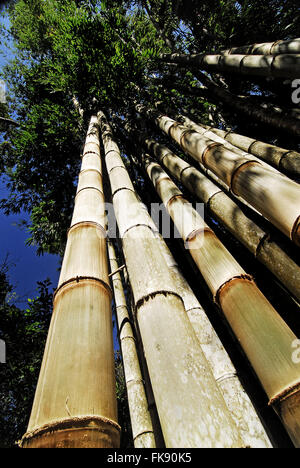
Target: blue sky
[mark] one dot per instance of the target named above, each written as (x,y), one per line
(26,268)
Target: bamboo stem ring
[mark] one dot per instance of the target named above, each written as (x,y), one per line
(77,279)
(225,285)
(295,234)
(238,170)
(207,149)
(89,152)
(286,393)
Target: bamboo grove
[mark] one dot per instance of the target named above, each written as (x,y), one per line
(185,232)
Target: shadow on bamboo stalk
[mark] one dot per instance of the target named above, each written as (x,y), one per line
(255,239)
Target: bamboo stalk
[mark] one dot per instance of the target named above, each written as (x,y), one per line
(142,430)
(278,66)
(254,238)
(285,160)
(275,197)
(75,402)
(290,46)
(264,336)
(191,408)
(224,372)
(208,133)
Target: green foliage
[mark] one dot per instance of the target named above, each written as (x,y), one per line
(24,333)
(105,54)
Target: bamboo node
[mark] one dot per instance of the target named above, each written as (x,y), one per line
(73,422)
(184,134)
(182,171)
(295,234)
(90,152)
(285,394)
(88,223)
(88,187)
(77,279)
(151,295)
(229,375)
(195,233)
(244,277)
(263,239)
(142,433)
(172,199)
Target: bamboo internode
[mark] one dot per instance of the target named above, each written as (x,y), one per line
(278,66)
(276,197)
(142,430)
(285,160)
(264,336)
(290,46)
(75,402)
(254,238)
(193,413)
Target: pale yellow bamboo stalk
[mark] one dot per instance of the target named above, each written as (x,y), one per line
(278,66)
(264,336)
(142,430)
(275,197)
(207,133)
(191,408)
(224,372)
(254,238)
(75,400)
(290,46)
(285,160)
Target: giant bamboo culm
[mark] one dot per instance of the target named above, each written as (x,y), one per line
(75,401)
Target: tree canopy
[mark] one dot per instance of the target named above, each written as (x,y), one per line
(74,57)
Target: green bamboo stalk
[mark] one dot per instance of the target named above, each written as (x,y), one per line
(254,238)
(75,402)
(275,197)
(290,46)
(285,160)
(142,430)
(264,336)
(278,66)
(191,408)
